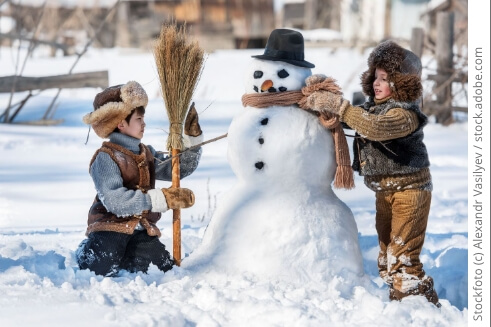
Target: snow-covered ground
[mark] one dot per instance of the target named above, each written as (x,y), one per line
(46,191)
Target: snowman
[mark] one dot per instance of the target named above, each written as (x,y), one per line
(282,219)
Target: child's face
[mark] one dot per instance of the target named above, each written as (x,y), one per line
(135,128)
(381,85)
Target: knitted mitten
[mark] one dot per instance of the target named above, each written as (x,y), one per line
(314,79)
(178,198)
(327,101)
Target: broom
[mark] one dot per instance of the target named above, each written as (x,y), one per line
(179,64)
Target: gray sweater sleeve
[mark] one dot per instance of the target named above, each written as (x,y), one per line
(163,167)
(110,190)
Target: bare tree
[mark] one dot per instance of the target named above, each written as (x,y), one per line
(47,20)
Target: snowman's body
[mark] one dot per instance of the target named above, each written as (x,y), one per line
(281,219)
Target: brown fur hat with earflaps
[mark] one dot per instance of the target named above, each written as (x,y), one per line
(113,105)
(403,68)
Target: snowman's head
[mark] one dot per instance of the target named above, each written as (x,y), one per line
(274,76)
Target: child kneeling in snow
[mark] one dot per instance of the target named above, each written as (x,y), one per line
(389,152)
(122,231)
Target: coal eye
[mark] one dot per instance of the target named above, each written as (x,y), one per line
(258,74)
(283,74)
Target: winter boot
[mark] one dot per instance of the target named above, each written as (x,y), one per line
(424,288)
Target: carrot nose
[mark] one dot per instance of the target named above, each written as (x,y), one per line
(266,85)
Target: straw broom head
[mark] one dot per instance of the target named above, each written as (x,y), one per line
(179,64)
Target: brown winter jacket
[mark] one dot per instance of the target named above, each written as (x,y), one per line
(138,173)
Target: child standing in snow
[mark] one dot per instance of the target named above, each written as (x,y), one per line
(122,231)
(389,152)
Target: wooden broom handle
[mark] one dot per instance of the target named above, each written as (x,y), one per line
(176,213)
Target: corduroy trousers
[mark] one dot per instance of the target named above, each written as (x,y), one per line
(401,221)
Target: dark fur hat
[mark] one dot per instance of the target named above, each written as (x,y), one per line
(403,68)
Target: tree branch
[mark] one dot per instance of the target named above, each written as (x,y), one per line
(193,147)
(48,113)
(32,45)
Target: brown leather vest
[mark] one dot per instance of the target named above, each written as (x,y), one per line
(138,173)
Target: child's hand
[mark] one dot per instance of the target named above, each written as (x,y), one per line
(315,79)
(322,101)
(178,198)
(170,198)
(191,125)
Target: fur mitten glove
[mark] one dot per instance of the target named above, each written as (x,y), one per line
(193,135)
(191,125)
(178,198)
(327,101)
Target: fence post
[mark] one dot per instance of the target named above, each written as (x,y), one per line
(444,59)
(417,41)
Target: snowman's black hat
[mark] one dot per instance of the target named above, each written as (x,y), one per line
(285,45)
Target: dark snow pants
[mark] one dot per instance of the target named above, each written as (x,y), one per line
(105,253)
